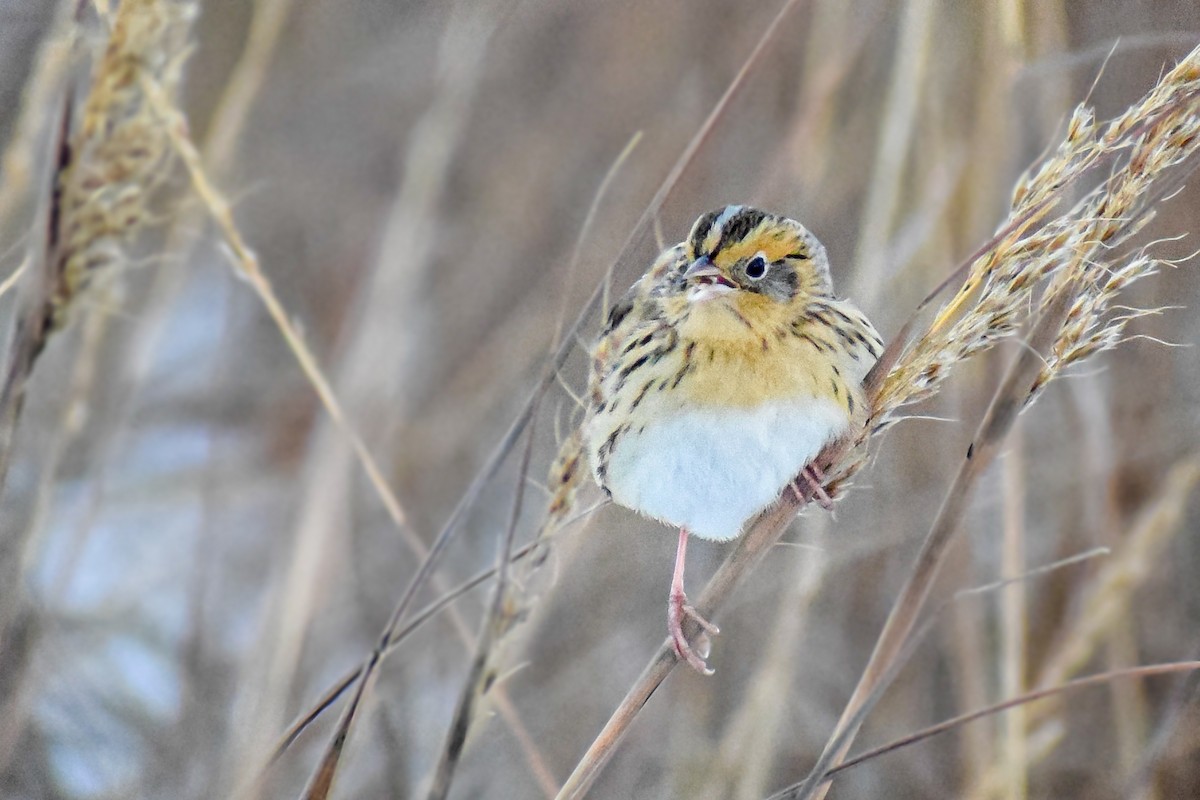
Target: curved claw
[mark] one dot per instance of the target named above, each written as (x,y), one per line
(677,610)
(815,478)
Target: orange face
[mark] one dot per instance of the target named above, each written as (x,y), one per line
(744,256)
(748,274)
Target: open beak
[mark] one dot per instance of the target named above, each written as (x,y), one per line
(706,280)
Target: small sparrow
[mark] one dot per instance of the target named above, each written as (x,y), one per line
(719,377)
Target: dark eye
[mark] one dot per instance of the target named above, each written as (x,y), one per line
(756,267)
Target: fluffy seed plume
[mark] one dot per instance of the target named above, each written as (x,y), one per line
(1037,256)
(117,155)
(109,154)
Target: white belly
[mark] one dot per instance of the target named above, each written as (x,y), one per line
(710,471)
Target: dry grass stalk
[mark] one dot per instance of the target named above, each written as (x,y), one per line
(1142,781)
(1101,512)
(15,710)
(746,754)
(824,769)
(1075,248)
(904,616)
(246,264)
(218,150)
(1047,694)
(107,161)
(1077,258)
(386,313)
(222,134)
(750,548)
(1013,609)
(414,623)
(1105,599)
(1056,275)
(885,195)
(491,628)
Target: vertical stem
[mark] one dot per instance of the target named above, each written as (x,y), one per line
(1001,415)
(1012,620)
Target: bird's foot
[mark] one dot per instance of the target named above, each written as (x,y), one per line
(678,610)
(813,476)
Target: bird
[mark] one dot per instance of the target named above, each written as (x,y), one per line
(718,378)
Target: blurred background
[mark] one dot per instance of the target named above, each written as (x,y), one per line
(192,553)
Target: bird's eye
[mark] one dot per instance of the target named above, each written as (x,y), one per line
(756,267)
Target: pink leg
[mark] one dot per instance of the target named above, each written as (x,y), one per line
(678,610)
(814,477)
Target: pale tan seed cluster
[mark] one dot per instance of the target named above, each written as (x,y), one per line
(118,152)
(1037,255)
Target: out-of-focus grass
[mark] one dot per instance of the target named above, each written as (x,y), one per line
(203,554)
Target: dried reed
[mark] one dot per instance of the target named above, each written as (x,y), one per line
(107,161)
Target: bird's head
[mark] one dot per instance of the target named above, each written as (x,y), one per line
(754,259)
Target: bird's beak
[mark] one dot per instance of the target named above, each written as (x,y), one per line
(706,281)
(702,267)
(704,272)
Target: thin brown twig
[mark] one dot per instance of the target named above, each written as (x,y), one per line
(489,631)
(346,681)
(817,777)
(321,781)
(32,327)
(1023,699)
(1184,694)
(415,622)
(1001,415)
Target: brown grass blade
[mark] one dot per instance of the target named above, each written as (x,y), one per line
(322,779)
(1104,600)
(1100,679)
(490,629)
(999,419)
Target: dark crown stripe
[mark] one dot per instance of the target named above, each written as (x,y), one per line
(739,226)
(700,231)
